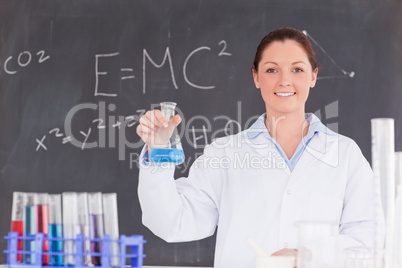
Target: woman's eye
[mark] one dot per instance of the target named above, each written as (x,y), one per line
(297,70)
(271,71)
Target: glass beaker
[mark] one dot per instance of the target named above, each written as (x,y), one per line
(317,244)
(171,151)
(274,261)
(362,257)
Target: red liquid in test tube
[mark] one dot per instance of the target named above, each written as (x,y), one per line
(42,223)
(17,225)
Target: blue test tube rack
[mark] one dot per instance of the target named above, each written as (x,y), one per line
(134,242)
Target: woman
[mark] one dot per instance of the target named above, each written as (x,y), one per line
(287,167)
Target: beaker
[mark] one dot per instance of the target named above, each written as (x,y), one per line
(170,151)
(362,257)
(317,244)
(274,261)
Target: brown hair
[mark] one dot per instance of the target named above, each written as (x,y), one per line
(282,34)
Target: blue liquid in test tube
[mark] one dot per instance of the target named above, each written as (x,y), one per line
(30,223)
(55,230)
(56,246)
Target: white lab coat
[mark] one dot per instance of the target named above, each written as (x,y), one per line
(243,187)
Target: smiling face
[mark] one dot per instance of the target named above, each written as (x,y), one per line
(284,77)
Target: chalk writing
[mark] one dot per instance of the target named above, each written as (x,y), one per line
(223,51)
(99,123)
(185,67)
(129,73)
(23,60)
(344,73)
(40,143)
(98,73)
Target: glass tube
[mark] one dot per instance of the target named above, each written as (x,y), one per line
(70,226)
(30,227)
(398,208)
(42,216)
(83,219)
(398,225)
(55,229)
(96,229)
(112,224)
(383,163)
(17,217)
(398,168)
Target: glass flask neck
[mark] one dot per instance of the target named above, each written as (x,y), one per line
(168,109)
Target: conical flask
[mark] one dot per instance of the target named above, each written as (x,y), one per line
(171,151)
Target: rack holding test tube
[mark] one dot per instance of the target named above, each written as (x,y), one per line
(134,243)
(69,229)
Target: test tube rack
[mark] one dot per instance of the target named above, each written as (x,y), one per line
(134,243)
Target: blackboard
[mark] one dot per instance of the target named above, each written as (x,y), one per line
(70,71)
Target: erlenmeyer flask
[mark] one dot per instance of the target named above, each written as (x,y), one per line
(172,151)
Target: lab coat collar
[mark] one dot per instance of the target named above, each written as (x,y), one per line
(315,126)
(317,149)
(324,148)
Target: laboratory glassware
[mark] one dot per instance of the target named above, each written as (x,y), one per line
(168,149)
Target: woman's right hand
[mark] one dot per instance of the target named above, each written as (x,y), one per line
(155,130)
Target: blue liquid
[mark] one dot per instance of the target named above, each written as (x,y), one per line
(166,155)
(56,231)
(29,230)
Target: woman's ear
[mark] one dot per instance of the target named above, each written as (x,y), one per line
(255,77)
(314,78)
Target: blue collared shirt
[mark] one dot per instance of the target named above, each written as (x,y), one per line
(315,126)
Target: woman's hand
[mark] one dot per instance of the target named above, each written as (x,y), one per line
(155,130)
(287,252)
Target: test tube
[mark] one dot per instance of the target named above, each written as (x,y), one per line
(398,224)
(30,227)
(398,207)
(83,219)
(17,218)
(70,226)
(42,216)
(383,163)
(96,229)
(112,224)
(398,168)
(55,229)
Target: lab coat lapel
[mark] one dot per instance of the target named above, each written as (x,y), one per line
(322,147)
(265,148)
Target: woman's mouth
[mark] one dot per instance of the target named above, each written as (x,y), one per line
(285,94)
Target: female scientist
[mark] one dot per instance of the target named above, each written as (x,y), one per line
(287,167)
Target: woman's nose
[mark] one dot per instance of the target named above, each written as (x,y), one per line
(285,80)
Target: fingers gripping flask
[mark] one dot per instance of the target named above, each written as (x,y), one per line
(169,151)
